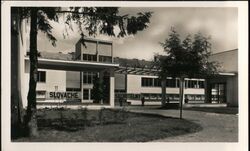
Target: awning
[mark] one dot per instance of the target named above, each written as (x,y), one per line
(72,65)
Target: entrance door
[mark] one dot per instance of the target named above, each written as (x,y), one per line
(87,96)
(218,93)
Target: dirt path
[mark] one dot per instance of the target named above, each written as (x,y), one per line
(216,127)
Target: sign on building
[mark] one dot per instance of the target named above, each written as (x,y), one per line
(63,95)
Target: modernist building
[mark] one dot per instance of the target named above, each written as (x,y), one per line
(69,78)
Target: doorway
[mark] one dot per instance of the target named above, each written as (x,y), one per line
(218,93)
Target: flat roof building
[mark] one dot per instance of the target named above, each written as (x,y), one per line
(69,78)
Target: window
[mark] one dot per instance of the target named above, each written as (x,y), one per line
(85,94)
(147,82)
(201,84)
(41,95)
(105,58)
(41,76)
(157,82)
(194,84)
(88,77)
(171,83)
(89,57)
(73,89)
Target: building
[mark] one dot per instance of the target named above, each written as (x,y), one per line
(224,87)
(69,78)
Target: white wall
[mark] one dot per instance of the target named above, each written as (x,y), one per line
(104,49)
(73,79)
(228,60)
(53,78)
(90,49)
(232,91)
(120,82)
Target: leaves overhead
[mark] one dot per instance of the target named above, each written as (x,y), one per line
(89,20)
(103,20)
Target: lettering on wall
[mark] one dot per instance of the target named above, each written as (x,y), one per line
(63,95)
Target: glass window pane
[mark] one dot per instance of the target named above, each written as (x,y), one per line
(85,94)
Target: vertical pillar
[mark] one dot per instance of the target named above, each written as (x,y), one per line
(112,59)
(81,53)
(163,89)
(207,86)
(112,88)
(126,85)
(97,54)
(81,82)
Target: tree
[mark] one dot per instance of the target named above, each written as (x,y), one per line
(186,59)
(90,20)
(97,91)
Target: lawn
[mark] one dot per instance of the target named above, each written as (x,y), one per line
(106,125)
(219,110)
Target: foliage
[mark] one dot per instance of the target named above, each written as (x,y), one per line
(106,88)
(84,113)
(90,20)
(97,91)
(187,58)
(101,116)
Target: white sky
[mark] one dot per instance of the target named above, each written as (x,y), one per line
(219,23)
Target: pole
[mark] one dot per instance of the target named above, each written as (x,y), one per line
(181,95)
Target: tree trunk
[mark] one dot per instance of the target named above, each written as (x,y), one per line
(163,92)
(181,95)
(16,99)
(31,120)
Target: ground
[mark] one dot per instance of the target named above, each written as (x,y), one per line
(217,126)
(202,124)
(60,125)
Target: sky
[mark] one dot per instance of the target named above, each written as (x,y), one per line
(219,23)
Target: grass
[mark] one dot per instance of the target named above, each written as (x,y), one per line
(107,125)
(219,110)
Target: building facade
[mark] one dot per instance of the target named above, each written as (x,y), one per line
(70,78)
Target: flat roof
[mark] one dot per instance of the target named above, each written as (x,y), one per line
(72,65)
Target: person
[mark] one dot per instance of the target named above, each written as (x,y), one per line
(142,101)
(186,100)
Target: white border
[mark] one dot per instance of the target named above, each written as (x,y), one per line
(243,82)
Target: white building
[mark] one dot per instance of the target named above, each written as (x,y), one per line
(68,78)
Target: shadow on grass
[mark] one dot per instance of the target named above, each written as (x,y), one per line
(219,110)
(135,127)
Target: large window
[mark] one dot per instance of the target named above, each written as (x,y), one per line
(88,77)
(105,58)
(171,83)
(89,57)
(194,84)
(41,76)
(201,84)
(85,94)
(157,82)
(147,82)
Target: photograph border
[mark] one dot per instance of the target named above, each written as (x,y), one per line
(242,68)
